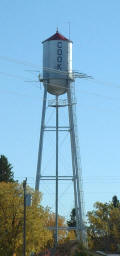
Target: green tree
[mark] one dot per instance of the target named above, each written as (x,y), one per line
(6,173)
(72,221)
(104,226)
(11,221)
(115,201)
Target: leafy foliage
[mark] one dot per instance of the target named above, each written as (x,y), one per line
(72,221)
(6,173)
(104,228)
(11,221)
(115,202)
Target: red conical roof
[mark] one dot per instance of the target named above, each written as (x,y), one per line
(57,36)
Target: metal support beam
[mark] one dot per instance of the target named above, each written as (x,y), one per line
(41,139)
(75,164)
(73,157)
(56,235)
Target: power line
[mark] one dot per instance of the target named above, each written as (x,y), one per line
(6,58)
(83,91)
(21,62)
(100,95)
(13,76)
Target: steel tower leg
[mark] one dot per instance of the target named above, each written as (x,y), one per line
(38,174)
(56,234)
(75,164)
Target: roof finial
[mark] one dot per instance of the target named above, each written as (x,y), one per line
(57,30)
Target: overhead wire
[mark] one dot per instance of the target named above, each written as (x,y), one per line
(94,80)
(54,70)
(100,95)
(61,87)
(9,59)
(5,58)
(12,75)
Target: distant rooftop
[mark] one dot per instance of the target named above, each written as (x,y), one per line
(57,36)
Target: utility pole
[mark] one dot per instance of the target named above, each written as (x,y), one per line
(24,226)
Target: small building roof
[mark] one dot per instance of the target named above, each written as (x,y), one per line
(57,36)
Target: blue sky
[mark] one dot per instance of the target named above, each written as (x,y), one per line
(94,27)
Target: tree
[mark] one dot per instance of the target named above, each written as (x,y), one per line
(62,234)
(104,226)
(72,221)
(115,201)
(6,173)
(11,221)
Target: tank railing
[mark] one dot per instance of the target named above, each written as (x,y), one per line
(71,74)
(81,75)
(61,102)
(56,71)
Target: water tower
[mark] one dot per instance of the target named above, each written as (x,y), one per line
(57,79)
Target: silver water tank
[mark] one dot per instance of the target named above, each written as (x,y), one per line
(57,63)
